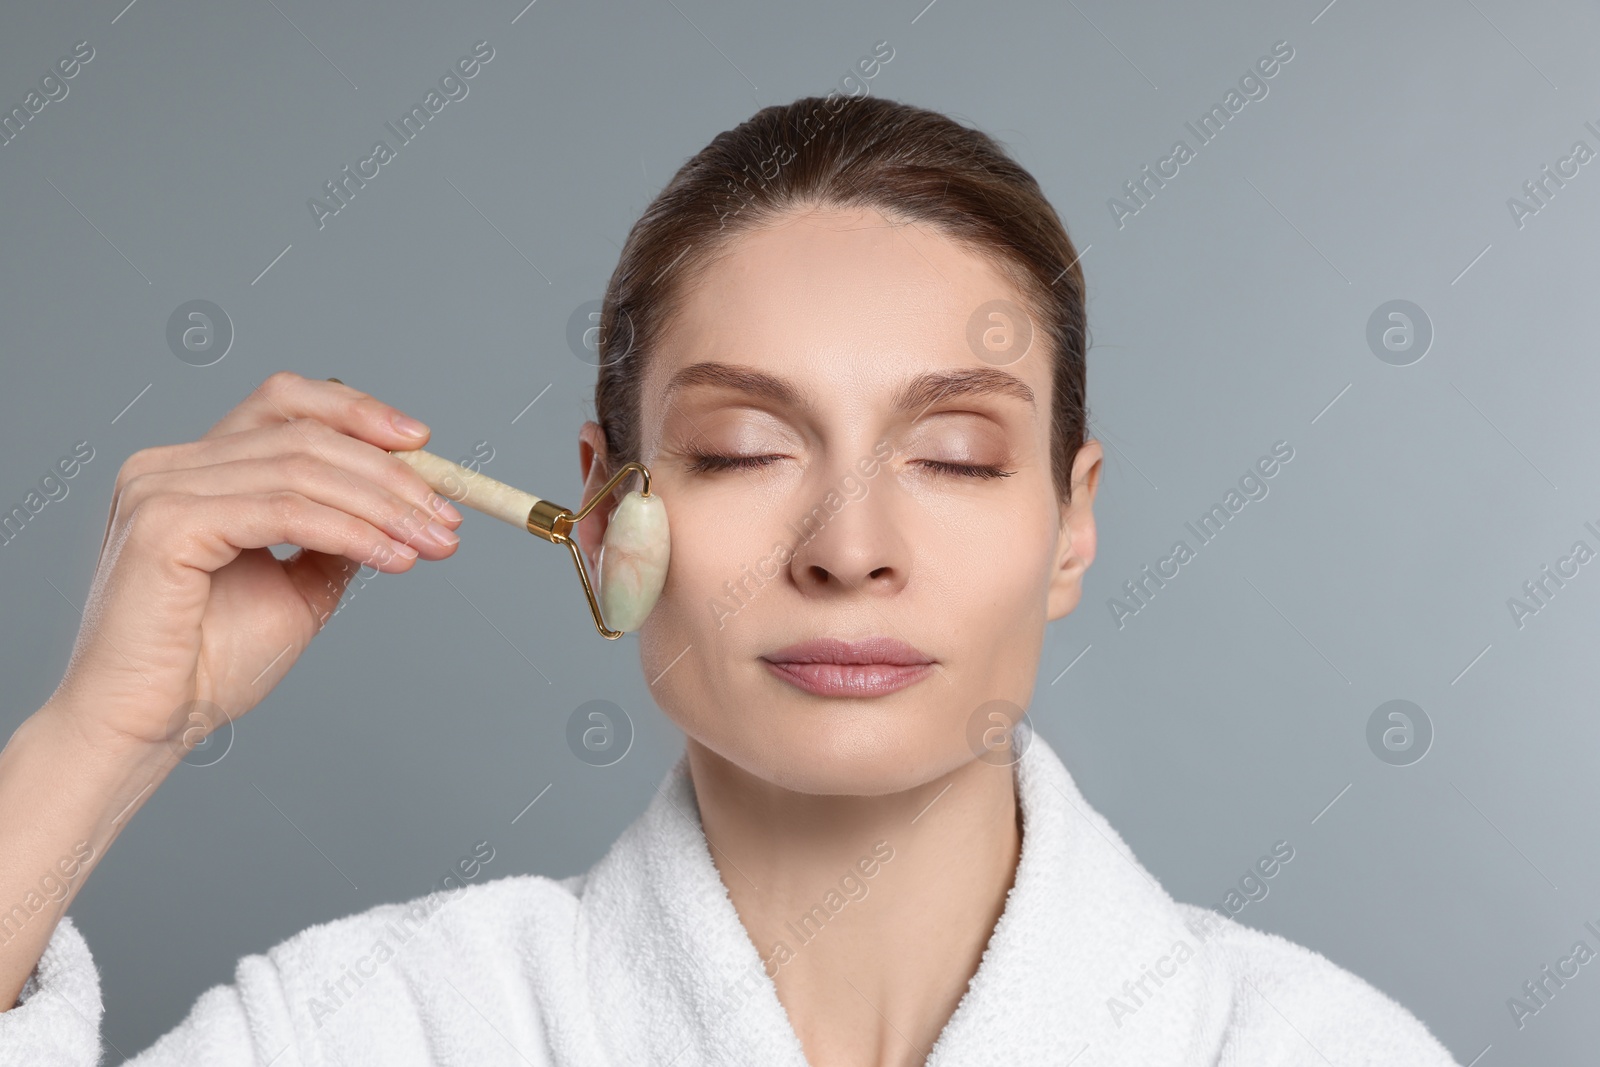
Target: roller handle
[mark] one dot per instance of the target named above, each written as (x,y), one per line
(463,485)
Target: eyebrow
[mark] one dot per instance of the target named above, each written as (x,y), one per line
(918,394)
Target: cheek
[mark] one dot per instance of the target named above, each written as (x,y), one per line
(992,566)
(718,568)
(712,590)
(994,591)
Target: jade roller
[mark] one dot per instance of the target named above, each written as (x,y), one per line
(633,553)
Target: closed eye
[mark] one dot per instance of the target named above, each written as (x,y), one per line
(980,470)
(707,463)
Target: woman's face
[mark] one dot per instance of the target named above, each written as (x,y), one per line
(829,356)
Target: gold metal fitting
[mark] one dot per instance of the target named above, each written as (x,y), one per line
(554,523)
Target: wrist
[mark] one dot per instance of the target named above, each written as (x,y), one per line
(76,737)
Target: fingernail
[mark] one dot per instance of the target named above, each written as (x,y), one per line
(442,534)
(408,426)
(445,508)
(403,549)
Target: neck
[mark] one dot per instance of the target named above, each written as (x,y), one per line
(871,912)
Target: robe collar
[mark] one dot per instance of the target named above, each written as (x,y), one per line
(1090,963)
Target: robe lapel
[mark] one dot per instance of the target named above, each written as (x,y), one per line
(1082,919)
(1090,964)
(673,976)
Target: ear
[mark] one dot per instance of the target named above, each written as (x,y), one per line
(1075,550)
(594,467)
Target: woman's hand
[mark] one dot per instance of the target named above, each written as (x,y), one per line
(188,603)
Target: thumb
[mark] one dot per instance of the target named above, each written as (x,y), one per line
(321,579)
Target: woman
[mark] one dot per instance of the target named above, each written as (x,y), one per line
(848,340)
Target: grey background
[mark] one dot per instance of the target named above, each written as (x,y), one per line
(1227,315)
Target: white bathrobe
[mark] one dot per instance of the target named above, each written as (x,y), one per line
(643,960)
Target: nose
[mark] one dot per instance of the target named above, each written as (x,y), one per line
(849,540)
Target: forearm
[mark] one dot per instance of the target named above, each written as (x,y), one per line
(63,800)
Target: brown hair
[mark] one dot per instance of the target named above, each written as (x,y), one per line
(910,163)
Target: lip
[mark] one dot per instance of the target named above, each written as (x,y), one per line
(827,666)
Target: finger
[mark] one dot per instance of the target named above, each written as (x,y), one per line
(286,395)
(312,478)
(300,437)
(211,531)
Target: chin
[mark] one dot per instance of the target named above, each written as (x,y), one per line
(725,699)
(835,747)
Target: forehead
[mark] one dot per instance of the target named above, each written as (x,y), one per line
(844,302)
